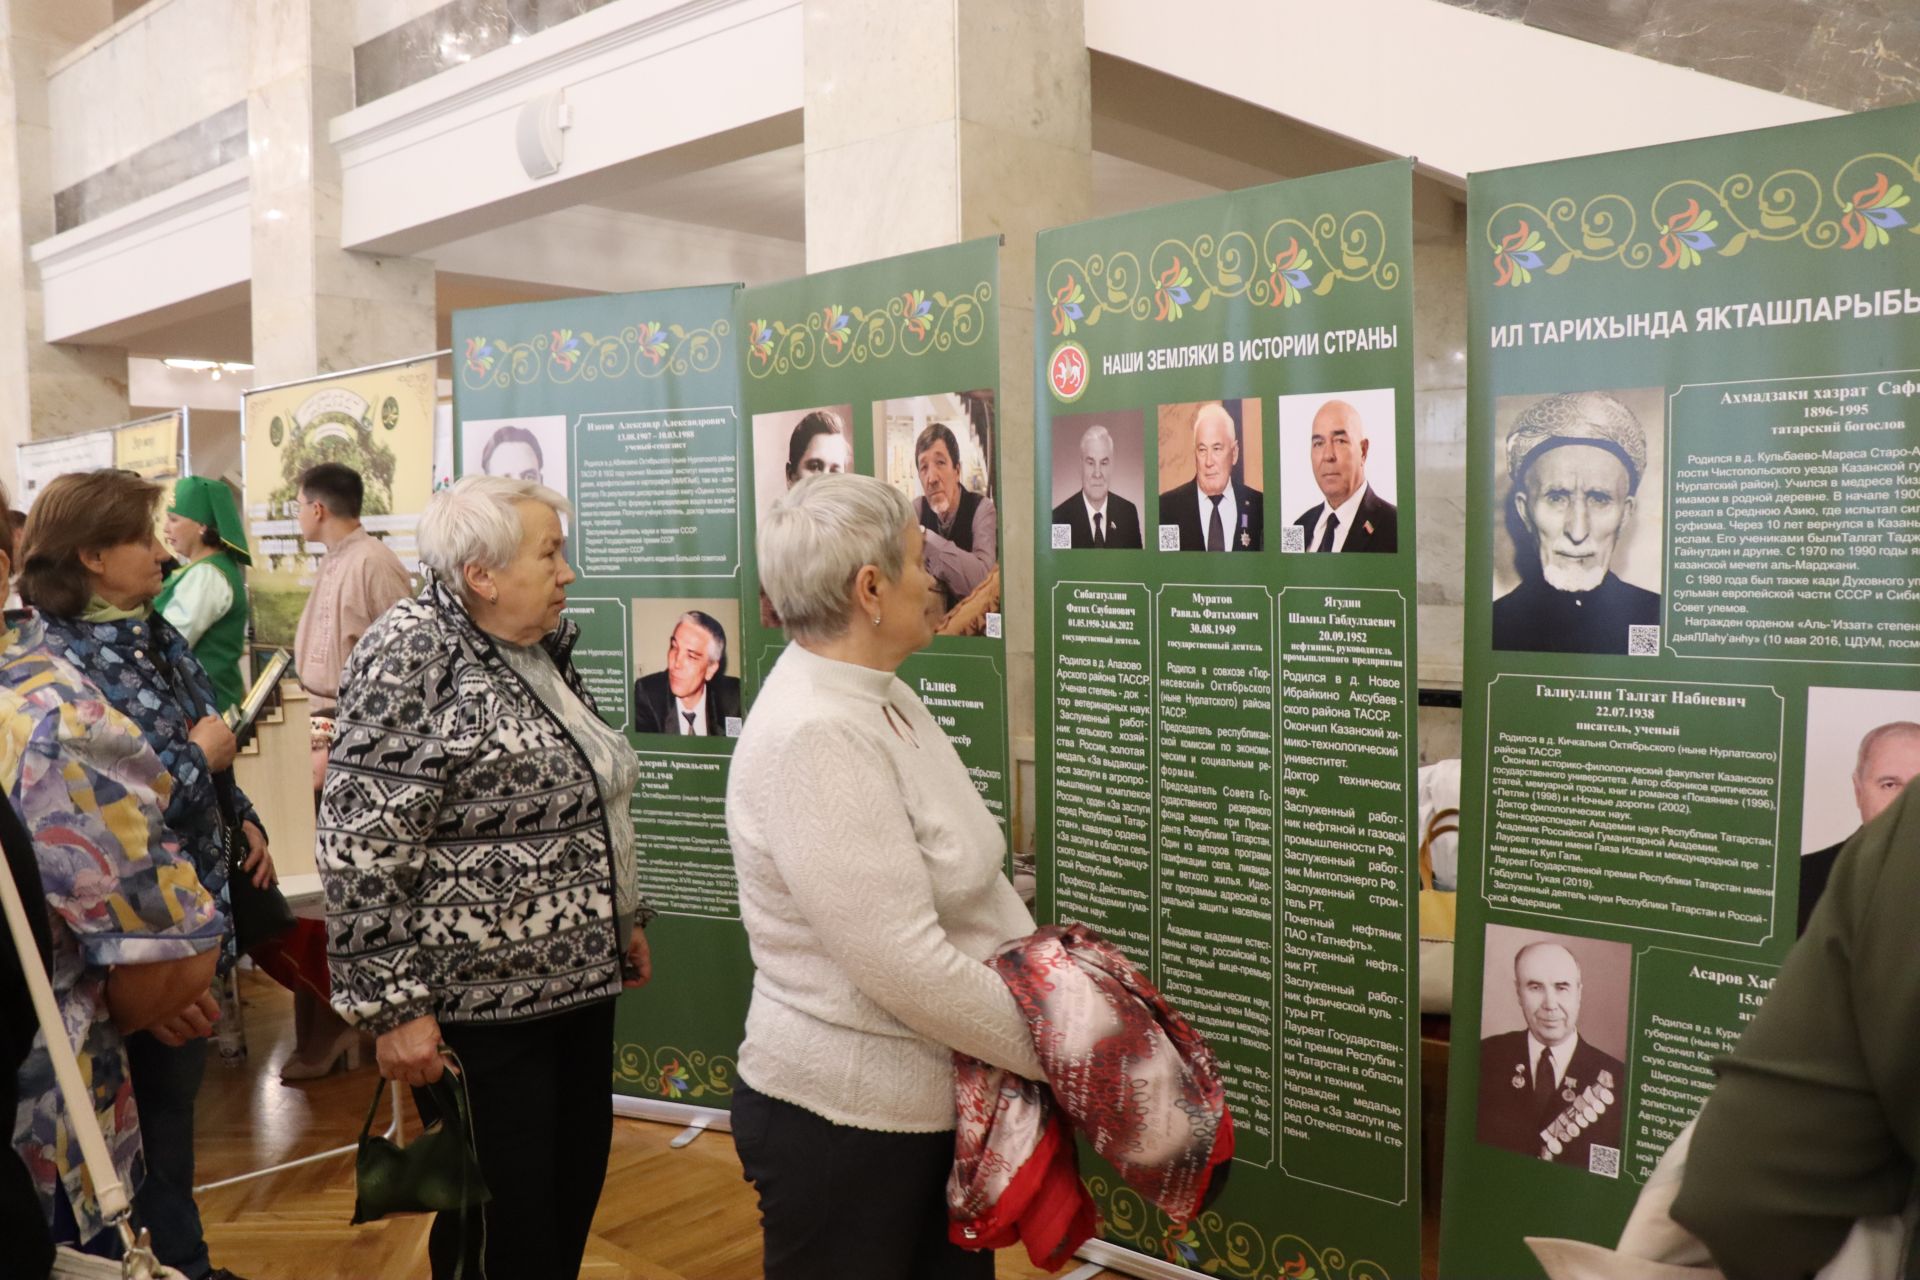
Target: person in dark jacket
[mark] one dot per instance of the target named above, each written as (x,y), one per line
(1214,511)
(476,848)
(693,695)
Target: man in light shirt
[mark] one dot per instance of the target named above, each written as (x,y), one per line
(1097,516)
(1350,515)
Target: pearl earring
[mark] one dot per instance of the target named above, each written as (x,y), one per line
(876,619)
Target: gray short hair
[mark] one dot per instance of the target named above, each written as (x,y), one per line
(474,522)
(1874,737)
(1091,432)
(820,534)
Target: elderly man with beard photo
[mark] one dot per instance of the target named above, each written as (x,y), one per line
(1575,463)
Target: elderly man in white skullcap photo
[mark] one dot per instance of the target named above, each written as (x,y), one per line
(1575,462)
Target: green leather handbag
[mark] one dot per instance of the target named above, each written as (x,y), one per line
(437,1172)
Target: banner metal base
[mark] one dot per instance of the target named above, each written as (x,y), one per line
(1113,1258)
(695,1120)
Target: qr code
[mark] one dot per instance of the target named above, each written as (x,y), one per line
(1062,537)
(1643,642)
(1169,537)
(1293,538)
(1604,1161)
(733,726)
(994,627)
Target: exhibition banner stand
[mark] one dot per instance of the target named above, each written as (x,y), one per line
(1226,691)
(154,447)
(892,369)
(1693,650)
(627,405)
(377,420)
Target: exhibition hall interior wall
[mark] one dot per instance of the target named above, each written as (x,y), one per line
(218,207)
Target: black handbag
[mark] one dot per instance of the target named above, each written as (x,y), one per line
(438,1172)
(259,915)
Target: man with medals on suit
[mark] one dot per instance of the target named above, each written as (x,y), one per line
(1214,511)
(1546,1092)
(1351,517)
(1889,758)
(1575,462)
(1097,516)
(691,697)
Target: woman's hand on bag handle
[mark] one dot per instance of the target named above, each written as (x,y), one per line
(216,742)
(410,1053)
(259,862)
(195,1022)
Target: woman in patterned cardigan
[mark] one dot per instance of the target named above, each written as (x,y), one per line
(477,851)
(134,936)
(90,565)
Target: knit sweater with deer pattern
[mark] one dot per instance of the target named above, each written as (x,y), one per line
(463,844)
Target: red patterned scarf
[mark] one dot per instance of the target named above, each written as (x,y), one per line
(1123,1068)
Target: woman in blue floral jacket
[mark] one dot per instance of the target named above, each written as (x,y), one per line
(134,934)
(91,567)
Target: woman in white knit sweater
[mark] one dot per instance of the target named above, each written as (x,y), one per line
(872,888)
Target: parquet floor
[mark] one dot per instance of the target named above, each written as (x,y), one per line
(665,1214)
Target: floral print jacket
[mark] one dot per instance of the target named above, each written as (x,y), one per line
(90,791)
(147,670)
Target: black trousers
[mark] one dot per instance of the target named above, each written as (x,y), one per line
(839,1202)
(542,1099)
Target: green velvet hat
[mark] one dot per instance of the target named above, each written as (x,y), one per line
(210,502)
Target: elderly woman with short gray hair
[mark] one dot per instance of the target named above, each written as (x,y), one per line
(477,853)
(873,892)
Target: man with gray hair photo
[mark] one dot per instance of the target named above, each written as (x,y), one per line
(691,697)
(1097,516)
(1889,758)
(1575,463)
(1546,1091)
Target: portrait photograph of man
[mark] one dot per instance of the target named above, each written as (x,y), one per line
(1553,1031)
(1210,476)
(793,444)
(1099,481)
(938,450)
(1863,747)
(694,688)
(1337,461)
(1576,564)
(531,448)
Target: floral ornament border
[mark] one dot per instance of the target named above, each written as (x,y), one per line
(1690,223)
(912,322)
(1290,262)
(674,1074)
(1213,1246)
(645,349)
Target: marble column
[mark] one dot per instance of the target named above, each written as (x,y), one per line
(46,389)
(929,122)
(316,306)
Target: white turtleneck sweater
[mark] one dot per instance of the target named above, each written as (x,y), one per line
(873,890)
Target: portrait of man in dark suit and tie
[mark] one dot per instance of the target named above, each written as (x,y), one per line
(1350,515)
(1095,515)
(1547,1091)
(692,696)
(1215,511)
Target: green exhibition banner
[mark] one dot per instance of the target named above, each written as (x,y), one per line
(892,369)
(1226,744)
(628,406)
(1693,645)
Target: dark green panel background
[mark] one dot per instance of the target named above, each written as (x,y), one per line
(1783,214)
(889,348)
(666,362)
(1203,904)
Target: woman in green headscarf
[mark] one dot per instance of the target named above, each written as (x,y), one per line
(207,600)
